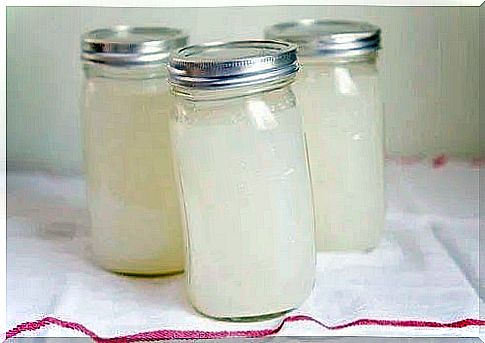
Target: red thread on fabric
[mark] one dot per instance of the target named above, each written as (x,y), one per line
(157,335)
(436,162)
(440,161)
(404,160)
(410,160)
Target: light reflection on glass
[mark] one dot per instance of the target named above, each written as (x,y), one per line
(344,82)
(261,115)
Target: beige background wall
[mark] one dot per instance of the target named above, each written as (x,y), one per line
(429,67)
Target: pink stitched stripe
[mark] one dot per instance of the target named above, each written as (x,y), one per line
(478,162)
(404,160)
(436,162)
(157,335)
(440,161)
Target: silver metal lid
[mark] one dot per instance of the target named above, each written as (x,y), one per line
(125,45)
(328,37)
(232,64)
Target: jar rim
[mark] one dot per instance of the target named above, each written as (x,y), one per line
(232,64)
(124,45)
(325,37)
(197,94)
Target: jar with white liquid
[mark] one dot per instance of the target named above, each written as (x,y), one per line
(343,115)
(240,149)
(136,223)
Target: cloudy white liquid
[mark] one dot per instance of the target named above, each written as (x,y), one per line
(136,221)
(344,128)
(248,204)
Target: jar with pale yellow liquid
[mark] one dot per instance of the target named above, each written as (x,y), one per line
(343,115)
(136,222)
(239,144)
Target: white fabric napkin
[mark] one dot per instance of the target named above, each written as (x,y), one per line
(413,274)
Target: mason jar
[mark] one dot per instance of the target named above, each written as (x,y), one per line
(240,149)
(136,223)
(343,115)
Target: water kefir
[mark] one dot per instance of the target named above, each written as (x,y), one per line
(344,127)
(248,204)
(132,194)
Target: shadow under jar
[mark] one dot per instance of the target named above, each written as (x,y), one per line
(343,115)
(240,149)
(136,223)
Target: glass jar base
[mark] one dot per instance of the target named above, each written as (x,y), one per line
(257,318)
(147,274)
(351,248)
(362,250)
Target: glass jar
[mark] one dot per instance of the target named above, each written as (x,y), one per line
(239,144)
(343,114)
(136,223)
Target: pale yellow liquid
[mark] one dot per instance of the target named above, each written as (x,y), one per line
(344,128)
(248,203)
(132,192)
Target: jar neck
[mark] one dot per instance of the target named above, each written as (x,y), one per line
(370,58)
(196,94)
(227,110)
(323,65)
(144,72)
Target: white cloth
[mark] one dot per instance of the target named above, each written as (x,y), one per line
(416,272)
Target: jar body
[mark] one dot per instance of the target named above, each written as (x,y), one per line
(131,187)
(245,184)
(344,128)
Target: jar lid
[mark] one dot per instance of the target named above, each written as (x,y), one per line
(328,37)
(232,64)
(125,45)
